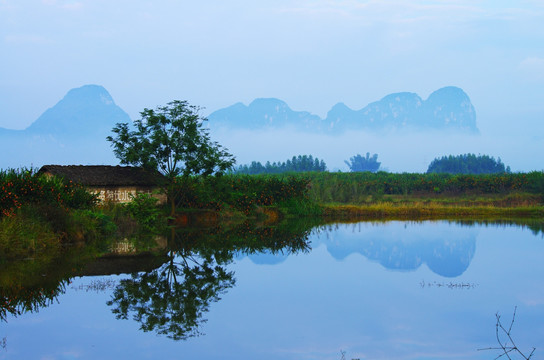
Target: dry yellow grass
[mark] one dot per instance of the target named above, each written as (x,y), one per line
(429,210)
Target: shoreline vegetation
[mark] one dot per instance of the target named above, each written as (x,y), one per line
(370,196)
(38,213)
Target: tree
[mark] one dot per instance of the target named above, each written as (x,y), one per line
(467,164)
(300,163)
(172,140)
(360,163)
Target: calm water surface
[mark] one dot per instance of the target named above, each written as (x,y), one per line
(402,290)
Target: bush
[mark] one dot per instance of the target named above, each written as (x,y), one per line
(143,208)
(23,187)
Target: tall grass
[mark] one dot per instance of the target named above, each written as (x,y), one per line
(365,187)
(241,192)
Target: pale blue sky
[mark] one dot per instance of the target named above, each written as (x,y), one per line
(311,54)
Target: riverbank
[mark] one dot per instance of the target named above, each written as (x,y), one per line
(368,195)
(416,211)
(480,206)
(39,213)
(511,206)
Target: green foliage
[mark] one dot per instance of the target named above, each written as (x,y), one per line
(364,187)
(145,211)
(38,212)
(242,192)
(23,237)
(93,223)
(467,164)
(359,163)
(172,140)
(301,163)
(24,187)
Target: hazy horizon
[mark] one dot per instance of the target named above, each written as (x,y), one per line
(310,54)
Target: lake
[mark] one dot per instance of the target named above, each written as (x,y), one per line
(368,290)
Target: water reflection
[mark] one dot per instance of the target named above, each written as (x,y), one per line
(535,225)
(172,299)
(30,284)
(27,285)
(332,294)
(404,246)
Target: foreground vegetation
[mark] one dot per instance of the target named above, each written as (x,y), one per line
(43,214)
(38,212)
(368,194)
(230,214)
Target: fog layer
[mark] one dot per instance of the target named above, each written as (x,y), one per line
(398,152)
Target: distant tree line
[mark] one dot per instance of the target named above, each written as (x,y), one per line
(467,164)
(301,163)
(451,164)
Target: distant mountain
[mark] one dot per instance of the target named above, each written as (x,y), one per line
(71,132)
(85,111)
(448,108)
(401,248)
(264,113)
(397,247)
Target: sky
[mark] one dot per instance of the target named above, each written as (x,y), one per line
(311,54)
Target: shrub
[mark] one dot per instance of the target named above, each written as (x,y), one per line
(25,186)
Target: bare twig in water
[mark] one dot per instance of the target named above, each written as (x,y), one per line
(97,286)
(343,355)
(507,346)
(449,285)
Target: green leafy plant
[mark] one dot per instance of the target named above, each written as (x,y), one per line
(172,140)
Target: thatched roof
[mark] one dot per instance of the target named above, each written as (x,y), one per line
(103,175)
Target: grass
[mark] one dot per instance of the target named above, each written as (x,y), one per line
(428,210)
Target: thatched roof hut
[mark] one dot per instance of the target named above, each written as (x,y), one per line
(104,175)
(113,183)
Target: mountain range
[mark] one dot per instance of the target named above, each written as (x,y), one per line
(448,108)
(397,248)
(74,130)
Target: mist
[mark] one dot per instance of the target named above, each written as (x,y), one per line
(397,152)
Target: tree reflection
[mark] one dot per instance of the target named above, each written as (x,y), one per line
(172,299)
(17,300)
(31,284)
(536,225)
